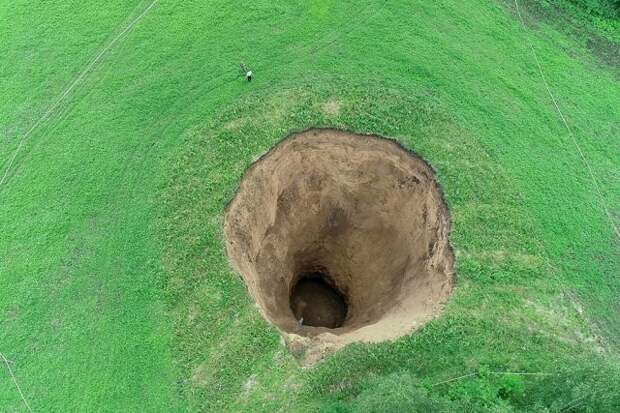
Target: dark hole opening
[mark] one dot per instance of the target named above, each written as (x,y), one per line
(316,302)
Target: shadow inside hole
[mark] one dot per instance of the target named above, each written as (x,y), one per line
(316,303)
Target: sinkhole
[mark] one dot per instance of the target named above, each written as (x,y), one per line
(340,238)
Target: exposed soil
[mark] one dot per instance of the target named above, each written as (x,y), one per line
(341,238)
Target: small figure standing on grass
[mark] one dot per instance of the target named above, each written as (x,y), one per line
(247,73)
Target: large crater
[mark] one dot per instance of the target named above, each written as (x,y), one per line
(339,238)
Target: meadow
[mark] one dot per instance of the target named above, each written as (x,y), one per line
(115,289)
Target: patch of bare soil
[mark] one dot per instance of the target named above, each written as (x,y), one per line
(341,238)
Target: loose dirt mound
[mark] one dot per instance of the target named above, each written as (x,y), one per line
(339,238)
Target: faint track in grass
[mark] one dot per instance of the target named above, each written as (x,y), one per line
(19,389)
(568,128)
(67,92)
(341,33)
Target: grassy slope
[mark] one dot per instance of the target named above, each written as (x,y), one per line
(115,290)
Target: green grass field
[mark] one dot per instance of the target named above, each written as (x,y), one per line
(115,291)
